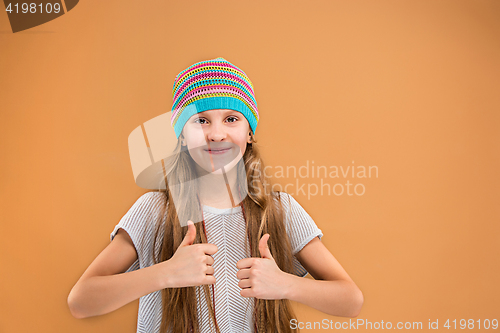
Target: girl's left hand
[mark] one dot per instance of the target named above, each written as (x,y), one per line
(261,277)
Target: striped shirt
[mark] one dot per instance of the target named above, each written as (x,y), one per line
(226,229)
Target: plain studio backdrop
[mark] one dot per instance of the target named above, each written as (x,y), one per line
(409,88)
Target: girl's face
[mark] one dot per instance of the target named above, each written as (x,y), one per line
(216,139)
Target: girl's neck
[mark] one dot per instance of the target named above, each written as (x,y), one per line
(219,190)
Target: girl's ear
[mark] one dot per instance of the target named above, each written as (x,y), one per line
(249,137)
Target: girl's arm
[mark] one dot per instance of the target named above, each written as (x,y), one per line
(101,290)
(332,292)
(104,288)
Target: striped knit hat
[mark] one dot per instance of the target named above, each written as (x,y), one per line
(209,85)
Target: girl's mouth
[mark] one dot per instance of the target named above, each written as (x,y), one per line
(217,151)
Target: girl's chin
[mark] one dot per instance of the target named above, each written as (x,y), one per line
(227,168)
(218,171)
(216,165)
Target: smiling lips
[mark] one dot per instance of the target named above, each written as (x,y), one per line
(217,151)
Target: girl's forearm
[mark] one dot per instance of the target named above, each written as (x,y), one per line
(98,295)
(337,298)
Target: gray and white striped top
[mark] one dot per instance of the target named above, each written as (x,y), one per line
(226,229)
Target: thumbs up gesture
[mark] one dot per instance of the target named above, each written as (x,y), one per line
(261,277)
(191,264)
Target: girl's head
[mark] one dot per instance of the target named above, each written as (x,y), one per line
(214,113)
(211,85)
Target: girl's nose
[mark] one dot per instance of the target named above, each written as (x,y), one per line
(216,133)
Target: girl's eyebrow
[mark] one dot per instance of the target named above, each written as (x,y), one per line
(231,112)
(225,113)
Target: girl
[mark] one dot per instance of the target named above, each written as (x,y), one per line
(239,267)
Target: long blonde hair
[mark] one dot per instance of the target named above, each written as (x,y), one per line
(179,312)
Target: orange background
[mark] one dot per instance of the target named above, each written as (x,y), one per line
(408,86)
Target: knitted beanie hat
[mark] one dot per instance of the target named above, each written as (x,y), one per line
(212,84)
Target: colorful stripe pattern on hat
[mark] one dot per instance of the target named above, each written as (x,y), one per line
(212,84)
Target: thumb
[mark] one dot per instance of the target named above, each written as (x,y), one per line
(264,248)
(190,235)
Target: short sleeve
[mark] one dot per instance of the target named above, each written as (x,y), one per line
(140,222)
(301,228)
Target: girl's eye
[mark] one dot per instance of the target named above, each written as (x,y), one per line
(235,119)
(200,119)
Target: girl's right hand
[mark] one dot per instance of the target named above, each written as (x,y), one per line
(191,264)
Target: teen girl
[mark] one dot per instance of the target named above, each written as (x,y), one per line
(235,271)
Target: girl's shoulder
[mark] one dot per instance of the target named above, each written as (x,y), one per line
(300,226)
(154,194)
(286,199)
(145,210)
(141,222)
(293,211)
(153,199)
(278,195)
